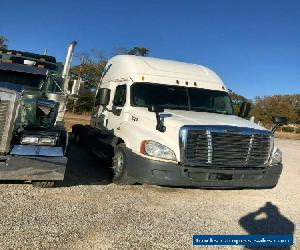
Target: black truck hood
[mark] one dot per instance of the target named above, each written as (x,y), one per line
(16,87)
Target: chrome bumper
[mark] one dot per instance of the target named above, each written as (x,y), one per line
(33,163)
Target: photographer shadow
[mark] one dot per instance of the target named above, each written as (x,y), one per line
(267,220)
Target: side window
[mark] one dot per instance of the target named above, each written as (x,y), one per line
(120,96)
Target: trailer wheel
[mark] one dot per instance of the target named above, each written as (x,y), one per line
(120,167)
(43,184)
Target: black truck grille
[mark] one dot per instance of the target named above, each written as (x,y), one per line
(226,149)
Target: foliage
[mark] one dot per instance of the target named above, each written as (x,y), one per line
(90,71)
(138,51)
(278,105)
(237,101)
(3,42)
(90,68)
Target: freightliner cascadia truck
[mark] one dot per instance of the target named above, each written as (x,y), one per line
(33,96)
(171,123)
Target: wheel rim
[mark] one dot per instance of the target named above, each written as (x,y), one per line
(118,163)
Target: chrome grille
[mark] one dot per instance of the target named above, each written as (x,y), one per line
(225,146)
(4,106)
(8,104)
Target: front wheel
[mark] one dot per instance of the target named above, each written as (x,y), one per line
(120,166)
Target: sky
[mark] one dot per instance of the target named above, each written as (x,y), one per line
(253,45)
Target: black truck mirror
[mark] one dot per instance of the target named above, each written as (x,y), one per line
(279,121)
(156,109)
(159,123)
(245,109)
(103,97)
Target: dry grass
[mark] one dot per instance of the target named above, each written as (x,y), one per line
(72,119)
(287,135)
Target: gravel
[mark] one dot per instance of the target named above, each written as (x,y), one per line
(89,212)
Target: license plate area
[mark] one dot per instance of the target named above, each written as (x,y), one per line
(223,177)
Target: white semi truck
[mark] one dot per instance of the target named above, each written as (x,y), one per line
(171,123)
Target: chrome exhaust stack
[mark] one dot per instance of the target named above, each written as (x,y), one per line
(67,65)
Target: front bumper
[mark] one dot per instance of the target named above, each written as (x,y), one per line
(149,171)
(25,164)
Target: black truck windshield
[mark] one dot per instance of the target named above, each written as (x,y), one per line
(20,78)
(181,98)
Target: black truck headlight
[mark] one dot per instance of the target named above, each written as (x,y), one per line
(35,140)
(30,140)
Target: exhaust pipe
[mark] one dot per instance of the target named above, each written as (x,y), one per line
(67,66)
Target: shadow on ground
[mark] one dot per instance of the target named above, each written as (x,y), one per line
(85,169)
(267,220)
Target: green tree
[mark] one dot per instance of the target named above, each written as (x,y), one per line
(3,42)
(237,101)
(138,51)
(90,71)
(278,105)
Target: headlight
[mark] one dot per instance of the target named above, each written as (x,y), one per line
(276,156)
(157,150)
(30,140)
(35,140)
(49,141)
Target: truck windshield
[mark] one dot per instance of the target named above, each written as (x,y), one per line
(181,98)
(20,78)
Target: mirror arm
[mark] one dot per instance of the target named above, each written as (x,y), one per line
(160,125)
(108,110)
(275,127)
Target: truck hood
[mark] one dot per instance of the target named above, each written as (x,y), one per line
(179,118)
(11,86)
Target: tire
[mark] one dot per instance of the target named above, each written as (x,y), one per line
(119,165)
(44,184)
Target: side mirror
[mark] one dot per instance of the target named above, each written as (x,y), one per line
(159,123)
(156,109)
(103,97)
(279,121)
(245,109)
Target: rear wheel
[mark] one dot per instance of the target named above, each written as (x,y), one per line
(43,184)
(120,166)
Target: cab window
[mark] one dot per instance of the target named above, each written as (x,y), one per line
(120,96)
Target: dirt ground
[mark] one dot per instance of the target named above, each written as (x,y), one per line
(87,211)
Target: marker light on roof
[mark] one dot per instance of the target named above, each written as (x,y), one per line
(29,62)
